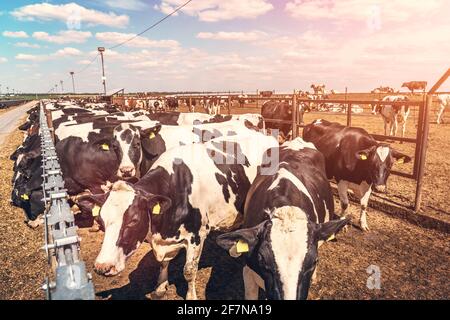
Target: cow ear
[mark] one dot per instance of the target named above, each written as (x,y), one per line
(158,204)
(328,229)
(243,240)
(400,157)
(91,203)
(150,132)
(362,154)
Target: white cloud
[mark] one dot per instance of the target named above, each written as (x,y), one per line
(27,45)
(69,12)
(218,10)
(126,4)
(62,37)
(68,51)
(84,62)
(3,60)
(31,57)
(65,52)
(139,42)
(235,36)
(15,34)
(360,10)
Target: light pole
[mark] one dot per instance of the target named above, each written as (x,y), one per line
(101,50)
(73,81)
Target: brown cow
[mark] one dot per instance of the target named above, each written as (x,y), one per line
(415,85)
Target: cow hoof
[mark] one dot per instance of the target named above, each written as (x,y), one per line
(36,223)
(160,291)
(191,296)
(94,228)
(364,227)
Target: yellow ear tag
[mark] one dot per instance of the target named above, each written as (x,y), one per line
(363,157)
(96,211)
(401,160)
(105,147)
(156,209)
(241,246)
(152,135)
(25,197)
(331,237)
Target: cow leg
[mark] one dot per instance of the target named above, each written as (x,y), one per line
(403,129)
(395,126)
(251,284)
(385,127)
(363,194)
(439,115)
(163,279)
(193,252)
(343,196)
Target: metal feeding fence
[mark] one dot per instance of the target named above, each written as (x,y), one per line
(62,244)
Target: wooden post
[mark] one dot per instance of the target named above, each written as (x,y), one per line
(257,100)
(294,116)
(423,152)
(229,103)
(190,104)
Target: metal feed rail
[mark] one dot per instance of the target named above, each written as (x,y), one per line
(61,240)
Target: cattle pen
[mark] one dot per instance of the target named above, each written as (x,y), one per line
(416,173)
(420,141)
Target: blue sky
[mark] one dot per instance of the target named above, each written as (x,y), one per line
(224,45)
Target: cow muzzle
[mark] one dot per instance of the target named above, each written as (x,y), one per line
(105,269)
(127,171)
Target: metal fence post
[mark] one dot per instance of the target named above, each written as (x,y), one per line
(423,153)
(294,116)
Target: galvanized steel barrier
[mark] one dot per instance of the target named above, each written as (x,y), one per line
(62,244)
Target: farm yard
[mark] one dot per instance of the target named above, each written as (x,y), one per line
(413,257)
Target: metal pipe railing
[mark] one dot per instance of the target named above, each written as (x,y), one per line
(62,243)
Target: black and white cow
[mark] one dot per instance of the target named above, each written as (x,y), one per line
(279,111)
(393,114)
(444,102)
(143,142)
(355,159)
(169,205)
(287,215)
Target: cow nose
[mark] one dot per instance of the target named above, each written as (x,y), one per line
(104,269)
(127,171)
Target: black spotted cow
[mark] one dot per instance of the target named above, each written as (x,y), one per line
(287,214)
(355,159)
(169,207)
(278,111)
(394,113)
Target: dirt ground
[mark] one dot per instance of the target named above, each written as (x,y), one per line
(413,261)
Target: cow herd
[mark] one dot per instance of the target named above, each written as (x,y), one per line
(173,178)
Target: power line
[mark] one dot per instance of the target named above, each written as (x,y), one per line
(152,26)
(135,36)
(88,65)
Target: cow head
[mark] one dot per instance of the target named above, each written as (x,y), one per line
(378,161)
(125,217)
(282,250)
(129,139)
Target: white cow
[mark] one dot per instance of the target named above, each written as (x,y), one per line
(444,101)
(394,113)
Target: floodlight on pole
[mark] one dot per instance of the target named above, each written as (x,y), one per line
(101,50)
(73,81)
